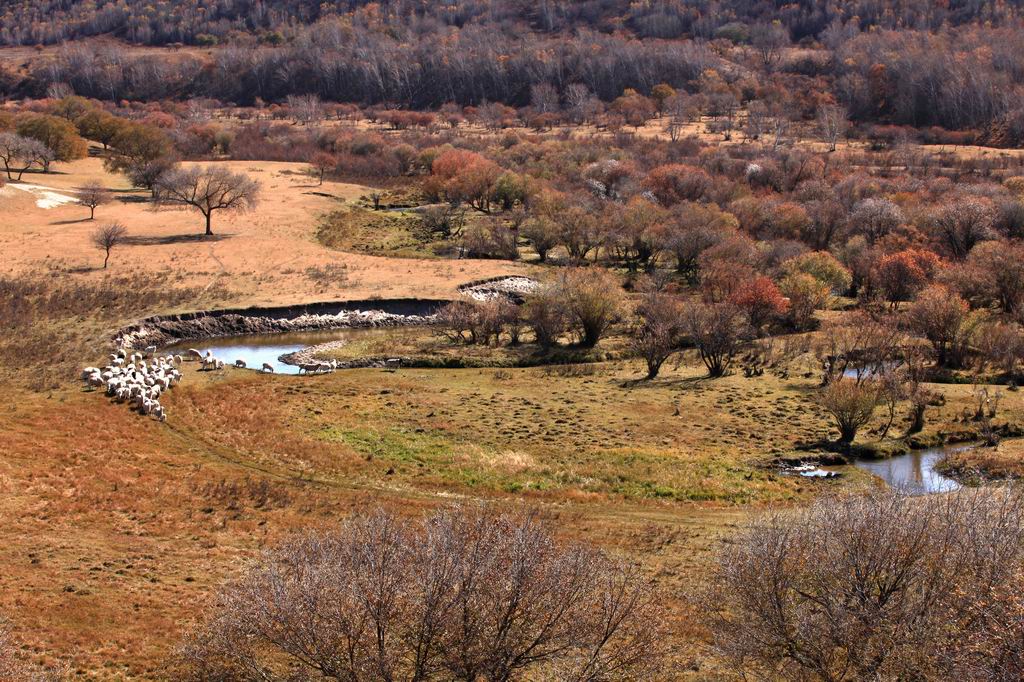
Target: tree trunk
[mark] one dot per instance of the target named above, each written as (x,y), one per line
(92,213)
(916,419)
(847,432)
(209,230)
(106,259)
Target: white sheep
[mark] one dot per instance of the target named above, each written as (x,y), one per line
(150,351)
(193,354)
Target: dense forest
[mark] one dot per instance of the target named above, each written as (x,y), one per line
(958,66)
(28,22)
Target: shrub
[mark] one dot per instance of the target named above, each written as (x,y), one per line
(901,275)
(675,183)
(822,266)
(490,240)
(805,294)
(465,594)
(543,235)
(760,300)
(544,314)
(592,299)
(658,330)
(945,319)
(851,404)
(883,586)
(716,330)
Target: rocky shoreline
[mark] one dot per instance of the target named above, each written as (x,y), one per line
(515,287)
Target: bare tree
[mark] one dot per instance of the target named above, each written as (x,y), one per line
(768,41)
(833,122)
(108,237)
(466,594)
(860,345)
(320,163)
(20,153)
(875,218)
(962,223)
(658,330)
(717,331)
(306,109)
(592,301)
(91,195)
(884,586)
(209,189)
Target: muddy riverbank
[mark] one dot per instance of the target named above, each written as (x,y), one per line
(167,330)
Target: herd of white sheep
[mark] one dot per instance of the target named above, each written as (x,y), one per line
(131,379)
(140,378)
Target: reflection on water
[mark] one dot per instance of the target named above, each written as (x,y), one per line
(256,349)
(913,472)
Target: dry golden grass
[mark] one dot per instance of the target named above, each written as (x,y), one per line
(976,465)
(117,528)
(260,258)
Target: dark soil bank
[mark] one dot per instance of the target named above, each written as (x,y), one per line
(163,330)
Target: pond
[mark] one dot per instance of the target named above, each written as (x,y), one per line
(913,472)
(256,349)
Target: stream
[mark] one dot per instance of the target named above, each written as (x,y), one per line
(914,472)
(256,349)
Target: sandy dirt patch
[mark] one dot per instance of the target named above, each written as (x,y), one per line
(46,197)
(267,257)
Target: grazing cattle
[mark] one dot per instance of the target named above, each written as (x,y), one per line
(267,367)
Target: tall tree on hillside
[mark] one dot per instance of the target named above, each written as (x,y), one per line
(207,190)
